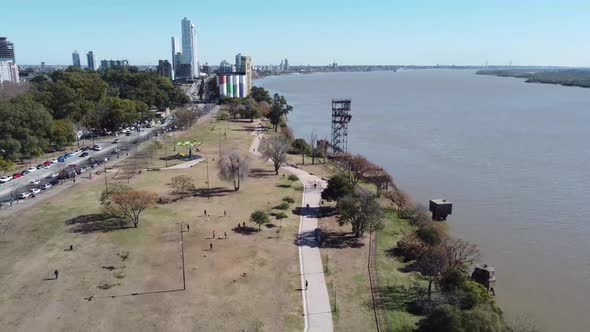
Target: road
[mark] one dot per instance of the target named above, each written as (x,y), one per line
(12,188)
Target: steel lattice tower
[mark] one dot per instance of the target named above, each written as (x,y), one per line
(340,119)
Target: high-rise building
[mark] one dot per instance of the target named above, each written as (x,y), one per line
(76,59)
(239,62)
(9,72)
(165,68)
(225,67)
(6,50)
(113,64)
(189,55)
(286,65)
(174,52)
(246,63)
(91,60)
(282,66)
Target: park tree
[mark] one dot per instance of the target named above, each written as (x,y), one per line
(185,118)
(431,264)
(249,110)
(322,148)
(353,167)
(301,147)
(265,108)
(380,178)
(275,148)
(338,187)
(63,133)
(260,94)
(279,109)
(259,217)
(399,198)
(234,108)
(233,167)
(444,318)
(313,139)
(182,185)
(212,90)
(6,165)
(362,211)
(127,202)
(461,254)
(116,113)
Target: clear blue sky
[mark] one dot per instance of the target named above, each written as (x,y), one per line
(528,32)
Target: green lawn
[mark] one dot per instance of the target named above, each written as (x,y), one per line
(395,285)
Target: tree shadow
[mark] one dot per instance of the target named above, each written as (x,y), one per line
(340,240)
(304,211)
(270,225)
(260,173)
(97,222)
(212,192)
(400,297)
(245,230)
(283,186)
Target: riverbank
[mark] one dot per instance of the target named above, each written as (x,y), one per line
(565,77)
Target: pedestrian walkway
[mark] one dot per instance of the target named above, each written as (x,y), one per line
(316,300)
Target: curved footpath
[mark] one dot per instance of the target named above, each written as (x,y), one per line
(316,301)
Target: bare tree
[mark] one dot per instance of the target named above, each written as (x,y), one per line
(380,178)
(127,202)
(5,225)
(353,167)
(399,198)
(312,141)
(275,148)
(233,167)
(186,118)
(431,264)
(182,185)
(461,254)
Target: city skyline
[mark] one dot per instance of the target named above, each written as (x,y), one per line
(457,32)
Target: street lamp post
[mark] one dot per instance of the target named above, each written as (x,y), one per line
(182,256)
(208,191)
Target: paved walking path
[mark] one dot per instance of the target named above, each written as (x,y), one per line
(316,300)
(187,164)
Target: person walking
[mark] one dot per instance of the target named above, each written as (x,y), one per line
(56,273)
(213,235)
(188,227)
(211,246)
(225,235)
(244,224)
(224,213)
(205,212)
(306,284)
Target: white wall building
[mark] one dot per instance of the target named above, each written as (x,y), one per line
(9,72)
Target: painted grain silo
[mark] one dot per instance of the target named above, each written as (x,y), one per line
(236,84)
(230,86)
(242,86)
(222,84)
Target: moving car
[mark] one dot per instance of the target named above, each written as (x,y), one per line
(35,191)
(5,178)
(84,154)
(35,181)
(16,175)
(97,148)
(46,186)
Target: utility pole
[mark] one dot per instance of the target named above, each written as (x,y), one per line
(106,184)
(165,154)
(219,143)
(208,178)
(182,256)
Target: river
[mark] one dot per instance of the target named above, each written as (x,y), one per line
(513,157)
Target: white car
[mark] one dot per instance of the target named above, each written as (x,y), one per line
(46,186)
(35,191)
(32,169)
(24,195)
(97,148)
(54,160)
(53,175)
(36,181)
(5,179)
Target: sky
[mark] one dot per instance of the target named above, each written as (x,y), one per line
(315,32)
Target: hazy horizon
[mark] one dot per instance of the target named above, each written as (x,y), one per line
(459,32)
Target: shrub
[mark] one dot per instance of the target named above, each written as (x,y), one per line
(282,206)
(281,215)
(430,235)
(288,199)
(292,177)
(338,187)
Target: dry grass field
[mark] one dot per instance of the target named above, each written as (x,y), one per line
(131,279)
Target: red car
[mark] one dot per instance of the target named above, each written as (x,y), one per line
(47,163)
(16,175)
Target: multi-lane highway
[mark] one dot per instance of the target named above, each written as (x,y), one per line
(10,190)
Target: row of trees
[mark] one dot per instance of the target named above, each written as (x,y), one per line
(46,116)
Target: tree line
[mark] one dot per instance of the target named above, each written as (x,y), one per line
(46,116)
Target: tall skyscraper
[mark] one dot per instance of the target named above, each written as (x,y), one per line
(6,50)
(76,59)
(165,68)
(91,60)
(286,68)
(189,54)
(173,59)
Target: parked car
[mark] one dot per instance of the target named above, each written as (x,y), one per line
(25,172)
(24,195)
(84,154)
(35,181)
(54,160)
(53,175)
(31,169)
(46,186)
(97,148)
(47,163)
(16,175)
(35,191)
(68,155)
(5,178)
(40,166)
